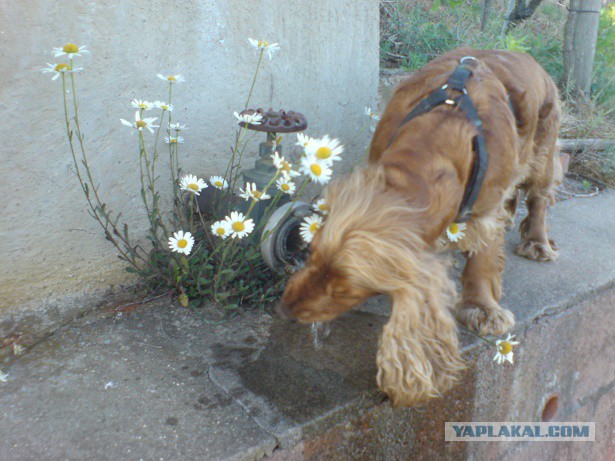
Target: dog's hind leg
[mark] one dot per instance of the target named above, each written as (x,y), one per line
(545,174)
(482,289)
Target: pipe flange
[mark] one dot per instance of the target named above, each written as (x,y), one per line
(282,249)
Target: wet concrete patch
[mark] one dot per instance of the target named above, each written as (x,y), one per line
(289,382)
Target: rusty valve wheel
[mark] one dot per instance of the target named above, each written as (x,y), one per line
(273,121)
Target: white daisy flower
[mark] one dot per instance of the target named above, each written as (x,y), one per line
(252,192)
(309,227)
(171,78)
(253,119)
(221,229)
(455,231)
(304,140)
(59,69)
(240,226)
(278,161)
(70,49)
(177,127)
(4,376)
(326,148)
(139,123)
(192,184)
(173,139)
(318,171)
(181,242)
(372,115)
(218,182)
(163,106)
(505,349)
(270,48)
(141,104)
(286,185)
(321,206)
(284,167)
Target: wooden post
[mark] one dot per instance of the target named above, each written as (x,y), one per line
(486,10)
(579,48)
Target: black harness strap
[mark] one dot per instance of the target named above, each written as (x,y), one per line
(457,82)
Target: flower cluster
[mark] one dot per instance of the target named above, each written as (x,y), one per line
(236,226)
(319,155)
(70,50)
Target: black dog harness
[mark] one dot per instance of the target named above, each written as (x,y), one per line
(457,82)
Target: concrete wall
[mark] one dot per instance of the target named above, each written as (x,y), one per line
(54,259)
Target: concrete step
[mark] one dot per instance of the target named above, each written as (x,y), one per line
(158,383)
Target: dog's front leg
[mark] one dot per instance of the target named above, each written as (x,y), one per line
(482,289)
(419,357)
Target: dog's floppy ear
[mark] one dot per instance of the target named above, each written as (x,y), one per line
(418,356)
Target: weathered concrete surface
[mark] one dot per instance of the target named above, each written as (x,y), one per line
(181,389)
(55,261)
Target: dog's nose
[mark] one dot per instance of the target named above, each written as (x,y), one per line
(283,311)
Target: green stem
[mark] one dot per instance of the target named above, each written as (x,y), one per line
(477,335)
(132,254)
(260,60)
(156,208)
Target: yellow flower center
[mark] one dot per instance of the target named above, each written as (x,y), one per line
(173,140)
(505,347)
(70,48)
(183,243)
(171,78)
(323,207)
(193,186)
(316,169)
(285,187)
(62,67)
(285,166)
(142,106)
(141,124)
(323,153)
(221,230)
(257,194)
(314,227)
(164,107)
(218,184)
(453,228)
(238,226)
(263,44)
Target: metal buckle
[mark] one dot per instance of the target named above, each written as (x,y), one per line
(462,60)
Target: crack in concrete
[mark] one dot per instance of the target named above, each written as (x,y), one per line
(243,406)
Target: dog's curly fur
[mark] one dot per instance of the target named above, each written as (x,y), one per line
(387,219)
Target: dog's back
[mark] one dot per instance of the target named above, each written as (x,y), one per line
(518,104)
(528,89)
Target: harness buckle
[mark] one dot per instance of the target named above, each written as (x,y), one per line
(465,58)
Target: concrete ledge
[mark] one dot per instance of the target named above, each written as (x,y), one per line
(158,383)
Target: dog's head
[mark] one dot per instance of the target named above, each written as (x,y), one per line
(350,256)
(325,288)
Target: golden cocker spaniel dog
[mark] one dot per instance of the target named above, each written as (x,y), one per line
(388,219)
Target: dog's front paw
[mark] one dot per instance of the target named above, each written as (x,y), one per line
(537,251)
(486,320)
